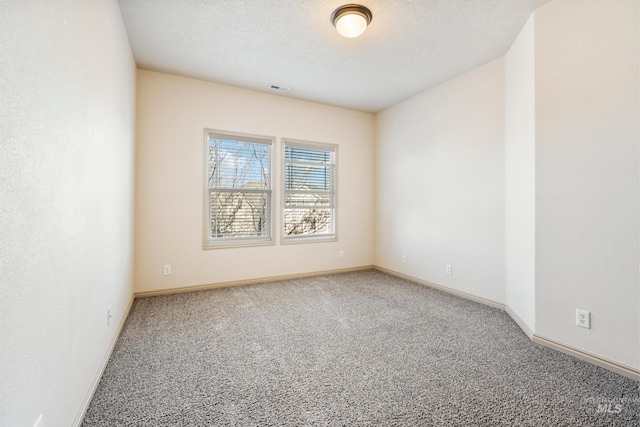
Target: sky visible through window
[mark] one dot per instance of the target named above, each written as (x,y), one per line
(237,164)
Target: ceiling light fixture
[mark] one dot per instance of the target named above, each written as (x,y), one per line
(351,20)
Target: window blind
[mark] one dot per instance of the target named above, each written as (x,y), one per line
(309,196)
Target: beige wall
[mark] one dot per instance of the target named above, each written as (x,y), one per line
(172,113)
(440,184)
(66,213)
(587,184)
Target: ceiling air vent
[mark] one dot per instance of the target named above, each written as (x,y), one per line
(280,88)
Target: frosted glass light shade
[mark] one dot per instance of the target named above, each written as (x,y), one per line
(351,20)
(351,25)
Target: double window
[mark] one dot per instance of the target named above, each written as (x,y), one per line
(238,200)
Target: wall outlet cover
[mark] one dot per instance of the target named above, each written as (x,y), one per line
(583,318)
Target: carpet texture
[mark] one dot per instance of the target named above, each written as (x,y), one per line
(362,349)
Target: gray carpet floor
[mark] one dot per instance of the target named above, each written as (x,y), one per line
(362,349)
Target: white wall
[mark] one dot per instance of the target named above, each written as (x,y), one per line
(440,184)
(520,178)
(172,114)
(66,216)
(587,186)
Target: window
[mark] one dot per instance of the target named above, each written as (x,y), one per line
(238,190)
(309,191)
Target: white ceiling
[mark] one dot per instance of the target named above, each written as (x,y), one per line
(410,46)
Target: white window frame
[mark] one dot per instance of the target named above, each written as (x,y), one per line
(333,193)
(225,242)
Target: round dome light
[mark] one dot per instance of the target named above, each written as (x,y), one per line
(351,20)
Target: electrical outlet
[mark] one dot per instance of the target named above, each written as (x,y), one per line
(449,270)
(109,316)
(167,270)
(340,254)
(404,259)
(583,318)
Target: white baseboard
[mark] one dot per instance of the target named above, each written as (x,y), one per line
(103,364)
(464,295)
(616,367)
(525,328)
(585,356)
(247,282)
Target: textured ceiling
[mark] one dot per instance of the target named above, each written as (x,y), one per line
(410,46)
